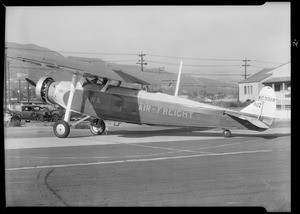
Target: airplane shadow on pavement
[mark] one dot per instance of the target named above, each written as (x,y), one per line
(200,132)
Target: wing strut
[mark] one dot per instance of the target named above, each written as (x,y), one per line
(82,119)
(105,87)
(71,95)
(178,80)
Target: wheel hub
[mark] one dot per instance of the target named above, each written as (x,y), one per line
(60,129)
(97,129)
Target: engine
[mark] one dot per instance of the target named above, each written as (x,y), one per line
(42,88)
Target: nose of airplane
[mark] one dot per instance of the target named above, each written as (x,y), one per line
(42,87)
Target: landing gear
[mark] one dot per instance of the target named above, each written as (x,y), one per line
(227,133)
(61,129)
(97,126)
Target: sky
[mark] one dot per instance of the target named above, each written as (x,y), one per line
(218,38)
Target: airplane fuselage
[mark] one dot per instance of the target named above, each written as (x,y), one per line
(140,107)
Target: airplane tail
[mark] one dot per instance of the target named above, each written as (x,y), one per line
(263,109)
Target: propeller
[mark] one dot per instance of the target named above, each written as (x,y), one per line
(30,82)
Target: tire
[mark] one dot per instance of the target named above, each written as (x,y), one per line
(17,118)
(40,118)
(227,133)
(33,116)
(97,127)
(61,129)
(55,117)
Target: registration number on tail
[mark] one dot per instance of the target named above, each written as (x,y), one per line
(264,98)
(257,104)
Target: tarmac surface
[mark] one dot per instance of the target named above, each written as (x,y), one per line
(136,165)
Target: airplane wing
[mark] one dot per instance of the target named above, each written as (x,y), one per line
(86,69)
(145,77)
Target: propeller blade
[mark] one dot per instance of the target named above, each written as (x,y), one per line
(30,82)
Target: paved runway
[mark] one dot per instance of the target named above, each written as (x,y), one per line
(148,166)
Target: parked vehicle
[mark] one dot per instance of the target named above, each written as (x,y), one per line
(41,113)
(59,113)
(10,116)
(35,112)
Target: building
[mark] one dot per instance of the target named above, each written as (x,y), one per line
(279,78)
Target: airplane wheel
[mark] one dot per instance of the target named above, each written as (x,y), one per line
(227,133)
(97,127)
(61,129)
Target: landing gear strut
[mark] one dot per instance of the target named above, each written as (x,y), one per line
(97,126)
(227,133)
(62,127)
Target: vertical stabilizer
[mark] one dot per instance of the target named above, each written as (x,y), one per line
(264,108)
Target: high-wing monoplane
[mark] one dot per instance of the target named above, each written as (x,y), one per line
(96,92)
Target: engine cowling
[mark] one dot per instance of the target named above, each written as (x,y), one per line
(42,88)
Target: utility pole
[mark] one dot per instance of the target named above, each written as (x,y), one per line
(19,91)
(246,60)
(8,78)
(141,61)
(5,81)
(28,93)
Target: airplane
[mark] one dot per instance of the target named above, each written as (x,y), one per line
(95,91)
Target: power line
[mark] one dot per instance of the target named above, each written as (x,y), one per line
(266,62)
(213,74)
(193,58)
(133,54)
(258,66)
(169,63)
(121,61)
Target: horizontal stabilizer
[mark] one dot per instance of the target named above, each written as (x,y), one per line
(259,115)
(248,122)
(257,123)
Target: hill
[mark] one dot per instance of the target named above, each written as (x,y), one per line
(189,85)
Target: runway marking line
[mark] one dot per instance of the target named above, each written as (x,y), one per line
(229,144)
(167,148)
(144,160)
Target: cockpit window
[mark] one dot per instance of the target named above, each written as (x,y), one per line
(99,81)
(114,83)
